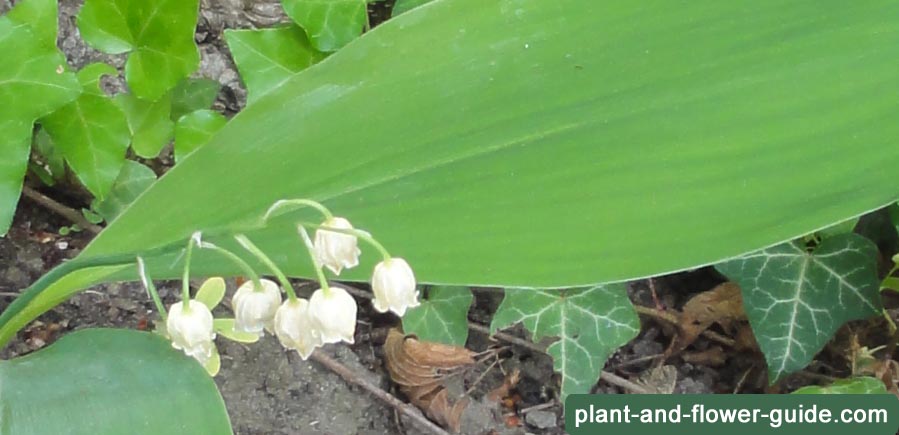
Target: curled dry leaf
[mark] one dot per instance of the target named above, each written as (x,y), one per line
(722,305)
(420,369)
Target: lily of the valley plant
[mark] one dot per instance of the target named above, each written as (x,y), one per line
(328,316)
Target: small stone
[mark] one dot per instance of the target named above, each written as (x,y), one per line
(541,419)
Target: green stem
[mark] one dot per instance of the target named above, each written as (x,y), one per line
(151,288)
(185,278)
(299,203)
(243,265)
(250,246)
(315,263)
(364,235)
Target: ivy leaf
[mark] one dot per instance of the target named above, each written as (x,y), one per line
(590,323)
(796,300)
(92,133)
(194,130)
(149,122)
(330,24)
(41,16)
(159,34)
(193,94)
(268,57)
(133,180)
(404,5)
(34,81)
(862,385)
(442,317)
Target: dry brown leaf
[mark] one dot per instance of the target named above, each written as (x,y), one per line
(722,305)
(419,368)
(504,391)
(660,380)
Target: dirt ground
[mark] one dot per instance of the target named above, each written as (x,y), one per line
(268,391)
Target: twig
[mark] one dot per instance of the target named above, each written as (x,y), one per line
(69,213)
(8,294)
(400,406)
(667,317)
(539,407)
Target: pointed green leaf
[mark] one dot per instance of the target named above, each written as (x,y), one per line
(211,292)
(135,383)
(330,24)
(404,5)
(796,300)
(863,385)
(590,325)
(194,130)
(159,34)
(92,133)
(34,81)
(193,94)
(225,328)
(133,180)
(442,317)
(149,122)
(266,58)
(40,16)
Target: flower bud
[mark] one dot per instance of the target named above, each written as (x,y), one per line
(254,309)
(333,315)
(191,330)
(294,328)
(336,250)
(393,284)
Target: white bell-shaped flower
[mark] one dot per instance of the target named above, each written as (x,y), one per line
(254,309)
(334,250)
(191,330)
(393,284)
(333,315)
(294,327)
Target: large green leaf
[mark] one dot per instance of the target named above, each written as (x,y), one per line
(91,132)
(551,144)
(266,58)
(108,381)
(796,299)
(159,34)
(405,5)
(590,324)
(34,81)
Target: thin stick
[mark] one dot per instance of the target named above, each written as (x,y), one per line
(673,320)
(539,407)
(388,398)
(69,213)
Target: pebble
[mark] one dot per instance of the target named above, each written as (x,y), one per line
(541,419)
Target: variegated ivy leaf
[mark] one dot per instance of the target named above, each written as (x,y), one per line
(863,385)
(330,24)
(589,323)
(159,34)
(442,317)
(796,299)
